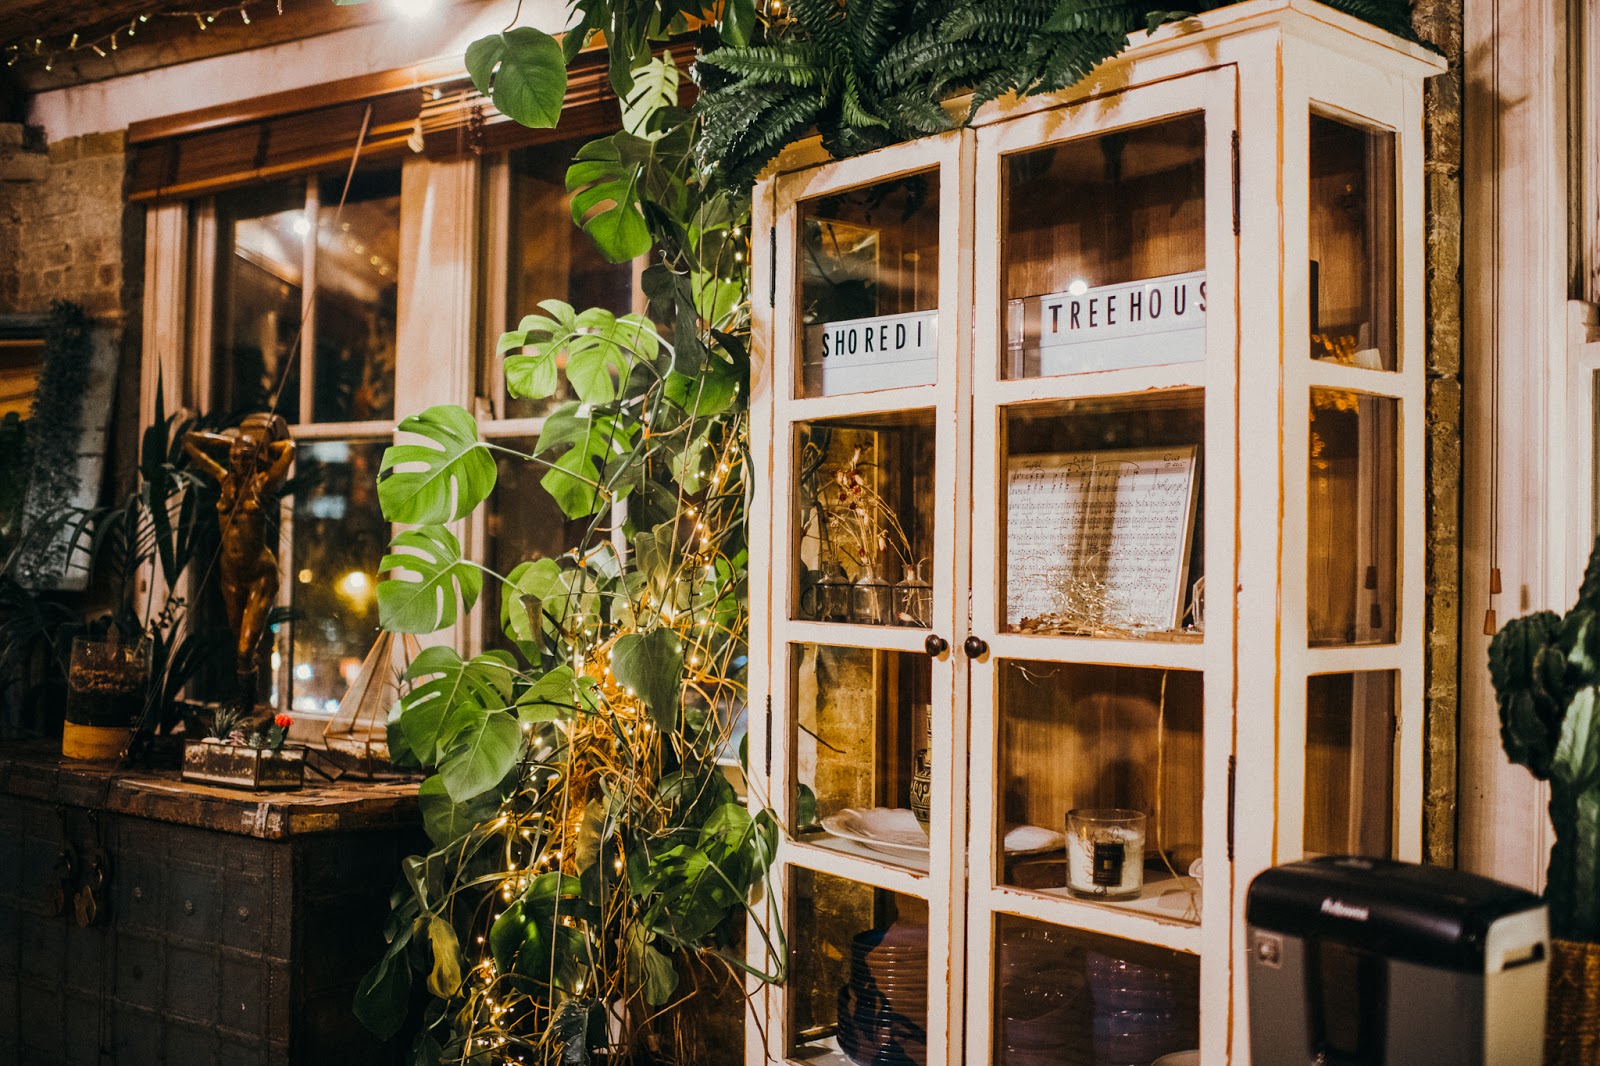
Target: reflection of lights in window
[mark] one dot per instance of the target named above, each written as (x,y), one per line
(349,667)
(331,706)
(327,451)
(305,578)
(277,660)
(1078,287)
(356,587)
(307,703)
(302,672)
(302,226)
(331,506)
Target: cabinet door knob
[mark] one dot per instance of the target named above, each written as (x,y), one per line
(974,646)
(935,645)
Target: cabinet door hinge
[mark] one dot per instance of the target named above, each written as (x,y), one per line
(1233,765)
(772,266)
(1235,183)
(769,737)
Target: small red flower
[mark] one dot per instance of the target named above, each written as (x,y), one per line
(283,721)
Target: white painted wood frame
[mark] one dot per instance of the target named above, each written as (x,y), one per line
(777,410)
(1211,93)
(1258,70)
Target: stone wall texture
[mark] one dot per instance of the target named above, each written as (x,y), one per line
(62,223)
(1438,22)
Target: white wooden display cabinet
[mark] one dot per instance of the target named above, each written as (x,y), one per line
(1090,444)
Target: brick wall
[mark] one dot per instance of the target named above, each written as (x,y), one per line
(61,222)
(1438,22)
(66,234)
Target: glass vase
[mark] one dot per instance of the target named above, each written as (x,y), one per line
(871,598)
(913,600)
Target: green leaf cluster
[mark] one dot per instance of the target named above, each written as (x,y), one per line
(869,73)
(1546,669)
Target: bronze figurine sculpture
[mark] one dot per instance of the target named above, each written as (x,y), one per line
(258,456)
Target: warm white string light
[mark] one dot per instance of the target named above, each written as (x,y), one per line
(102,44)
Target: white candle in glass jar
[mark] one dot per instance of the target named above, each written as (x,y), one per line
(1105,852)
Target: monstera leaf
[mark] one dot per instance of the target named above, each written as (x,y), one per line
(442,683)
(523,72)
(485,748)
(655,86)
(453,478)
(441,584)
(596,443)
(601,349)
(447,821)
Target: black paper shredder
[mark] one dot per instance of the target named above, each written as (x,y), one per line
(1379,963)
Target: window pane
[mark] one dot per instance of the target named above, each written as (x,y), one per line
(1350,763)
(358,280)
(858,973)
(339,538)
(1351,539)
(863,743)
(524,523)
(1102,516)
(549,258)
(869,287)
(1352,233)
(864,519)
(1082,737)
(261,252)
(1104,253)
(1063,996)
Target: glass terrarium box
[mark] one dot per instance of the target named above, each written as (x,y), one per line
(1087,582)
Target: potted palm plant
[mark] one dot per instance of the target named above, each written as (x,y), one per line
(1546,673)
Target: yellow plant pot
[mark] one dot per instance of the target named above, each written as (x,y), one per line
(1572,1014)
(94,743)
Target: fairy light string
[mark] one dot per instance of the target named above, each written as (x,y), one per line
(103,39)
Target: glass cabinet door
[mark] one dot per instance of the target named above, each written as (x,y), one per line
(1102,459)
(1355,381)
(870,329)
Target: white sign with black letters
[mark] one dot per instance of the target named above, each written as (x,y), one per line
(1111,327)
(867,354)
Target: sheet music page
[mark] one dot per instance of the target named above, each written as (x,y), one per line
(1098,540)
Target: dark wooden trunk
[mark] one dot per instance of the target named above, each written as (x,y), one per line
(233,926)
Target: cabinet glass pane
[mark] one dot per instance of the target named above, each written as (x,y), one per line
(1351,535)
(1350,722)
(1104,251)
(1101,737)
(869,287)
(1101,517)
(862,741)
(863,520)
(1063,997)
(858,973)
(1352,231)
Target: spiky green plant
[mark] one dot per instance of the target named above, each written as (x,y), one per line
(1545,670)
(868,73)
